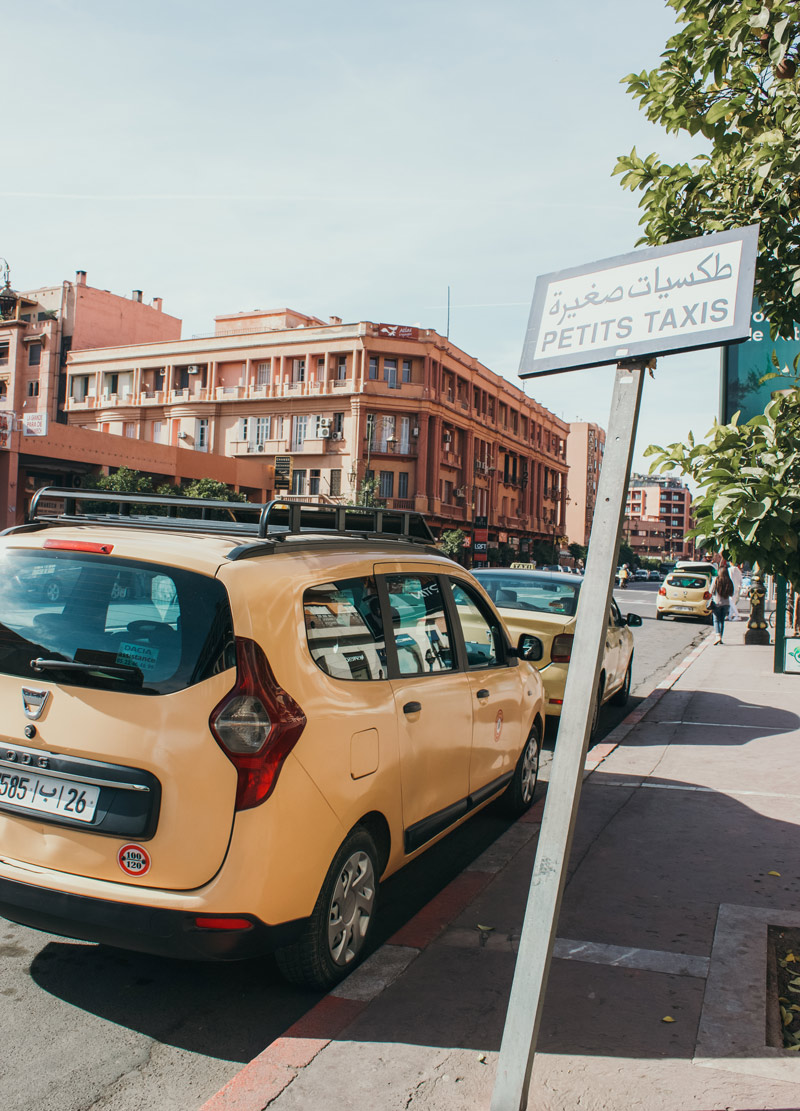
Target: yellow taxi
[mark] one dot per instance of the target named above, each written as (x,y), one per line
(686,592)
(545,604)
(227,732)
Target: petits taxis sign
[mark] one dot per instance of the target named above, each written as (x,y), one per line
(657,301)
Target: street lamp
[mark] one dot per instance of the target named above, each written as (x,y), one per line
(8,298)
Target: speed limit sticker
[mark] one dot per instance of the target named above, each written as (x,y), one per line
(133,860)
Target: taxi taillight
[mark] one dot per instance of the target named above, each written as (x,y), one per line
(257,724)
(561,648)
(662,590)
(706,596)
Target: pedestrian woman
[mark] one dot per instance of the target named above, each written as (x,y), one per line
(721,600)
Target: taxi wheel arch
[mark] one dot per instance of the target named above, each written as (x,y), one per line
(336,936)
(598,703)
(620,697)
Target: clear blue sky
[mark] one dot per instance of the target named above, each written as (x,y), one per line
(351,159)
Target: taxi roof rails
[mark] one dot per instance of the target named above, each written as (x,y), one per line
(272,520)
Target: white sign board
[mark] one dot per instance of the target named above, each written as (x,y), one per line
(661,300)
(34,424)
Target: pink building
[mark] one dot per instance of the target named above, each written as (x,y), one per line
(667,500)
(335,405)
(585,447)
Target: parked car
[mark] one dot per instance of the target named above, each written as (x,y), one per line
(274,716)
(654,576)
(685,594)
(641,574)
(546,606)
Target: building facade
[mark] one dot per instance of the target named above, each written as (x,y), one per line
(585,446)
(338,406)
(669,501)
(646,536)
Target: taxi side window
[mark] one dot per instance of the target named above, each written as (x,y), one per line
(420,626)
(616,616)
(483,635)
(344,629)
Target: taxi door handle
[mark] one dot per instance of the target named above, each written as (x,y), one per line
(412,707)
(482,693)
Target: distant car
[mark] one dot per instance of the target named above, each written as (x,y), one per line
(551,567)
(654,576)
(685,594)
(545,605)
(641,574)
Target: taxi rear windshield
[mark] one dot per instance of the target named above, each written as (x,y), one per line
(687,582)
(540,593)
(81,619)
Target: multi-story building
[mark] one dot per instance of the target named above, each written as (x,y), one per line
(585,446)
(339,405)
(669,500)
(38,328)
(646,536)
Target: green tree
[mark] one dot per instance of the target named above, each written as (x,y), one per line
(210,488)
(368,493)
(727,75)
(451,542)
(123,481)
(578,552)
(749,480)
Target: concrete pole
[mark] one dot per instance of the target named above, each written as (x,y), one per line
(563,793)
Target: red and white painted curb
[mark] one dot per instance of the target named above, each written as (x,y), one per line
(267,1075)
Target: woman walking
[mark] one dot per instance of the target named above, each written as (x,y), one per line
(720,601)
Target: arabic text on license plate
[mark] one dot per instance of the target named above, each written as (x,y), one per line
(48,794)
(686,609)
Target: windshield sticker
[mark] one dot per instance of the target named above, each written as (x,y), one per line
(137,655)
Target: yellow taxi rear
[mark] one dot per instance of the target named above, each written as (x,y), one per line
(197,745)
(685,594)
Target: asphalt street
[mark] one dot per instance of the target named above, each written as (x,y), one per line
(123,1031)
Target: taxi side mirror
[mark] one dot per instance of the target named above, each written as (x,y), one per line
(529,648)
(634,620)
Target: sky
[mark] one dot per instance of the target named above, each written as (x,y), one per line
(352,159)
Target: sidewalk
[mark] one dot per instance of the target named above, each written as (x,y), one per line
(686,810)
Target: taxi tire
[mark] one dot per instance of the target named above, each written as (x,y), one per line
(598,704)
(309,961)
(620,697)
(519,794)
(659,615)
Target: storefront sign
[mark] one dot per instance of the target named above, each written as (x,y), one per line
(657,301)
(398,331)
(283,472)
(744,365)
(34,424)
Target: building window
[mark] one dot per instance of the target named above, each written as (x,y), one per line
(34,354)
(320,366)
(261,431)
(402,484)
(298,482)
(130,428)
(158,431)
(406,370)
(390,373)
(201,435)
(335,483)
(387,484)
(373,367)
(263,371)
(33,389)
(3,354)
(341,368)
(313,482)
(300,431)
(370,428)
(338,424)
(298,370)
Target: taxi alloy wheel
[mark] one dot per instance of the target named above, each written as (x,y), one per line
(620,697)
(518,796)
(335,939)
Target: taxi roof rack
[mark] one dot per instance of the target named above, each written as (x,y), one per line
(269,521)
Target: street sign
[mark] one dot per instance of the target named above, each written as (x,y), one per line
(744,365)
(656,301)
(283,472)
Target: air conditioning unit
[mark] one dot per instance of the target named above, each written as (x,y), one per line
(325,432)
(324,422)
(336,435)
(193,369)
(183,435)
(261,447)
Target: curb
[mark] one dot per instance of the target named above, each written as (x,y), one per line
(264,1078)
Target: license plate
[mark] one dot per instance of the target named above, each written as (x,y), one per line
(684,609)
(48,794)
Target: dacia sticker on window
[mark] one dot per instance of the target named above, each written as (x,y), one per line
(137,655)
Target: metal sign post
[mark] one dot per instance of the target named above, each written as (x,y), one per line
(563,792)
